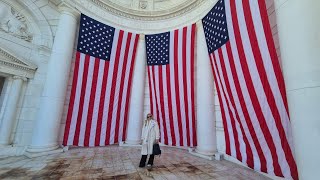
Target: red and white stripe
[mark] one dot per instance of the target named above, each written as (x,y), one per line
(99,100)
(251,92)
(171,89)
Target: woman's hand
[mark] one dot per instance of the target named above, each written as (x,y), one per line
(157,141)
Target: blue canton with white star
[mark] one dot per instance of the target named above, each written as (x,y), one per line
(215,27)
(95,38)
(158,46)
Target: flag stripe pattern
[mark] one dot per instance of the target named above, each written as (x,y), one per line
(250,86)
(100,92)
(170,59)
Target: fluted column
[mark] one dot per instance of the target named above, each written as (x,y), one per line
(9,117)
(299,35)
(206,130)
(46,129)
(137,96)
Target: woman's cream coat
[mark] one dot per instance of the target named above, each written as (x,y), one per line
(150,132)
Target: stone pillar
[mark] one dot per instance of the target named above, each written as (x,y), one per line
(9,117)
(299,36)
(206,130)
(46,128)
(137,96)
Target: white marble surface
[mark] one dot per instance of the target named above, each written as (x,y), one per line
(115,162)
(36,52)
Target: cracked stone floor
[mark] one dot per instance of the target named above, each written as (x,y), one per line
(114,162)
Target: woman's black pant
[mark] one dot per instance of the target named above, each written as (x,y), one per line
(144,159)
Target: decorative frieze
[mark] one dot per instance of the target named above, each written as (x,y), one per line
(156,14)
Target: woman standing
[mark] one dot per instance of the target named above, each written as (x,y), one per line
(150,136)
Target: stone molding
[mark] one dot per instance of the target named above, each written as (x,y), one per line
(20,77)
(148,15)
(10,64)
(144,21)
(66,8)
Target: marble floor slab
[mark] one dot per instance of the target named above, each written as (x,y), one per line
(114,162)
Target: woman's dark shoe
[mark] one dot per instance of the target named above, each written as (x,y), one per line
(142,165)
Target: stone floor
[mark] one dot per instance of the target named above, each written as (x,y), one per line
(116,162)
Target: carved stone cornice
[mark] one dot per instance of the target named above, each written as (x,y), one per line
(165,15)
(10,64)
(148,15)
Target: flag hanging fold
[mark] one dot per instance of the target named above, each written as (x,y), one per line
(250,86)
(99,100)
(170,60)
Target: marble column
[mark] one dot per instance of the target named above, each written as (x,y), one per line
(9,117)
(299,38)
(206,130)
(137,96)
(46,128)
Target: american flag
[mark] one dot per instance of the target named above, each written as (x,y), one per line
(170,60)
(250,86)
(99,100)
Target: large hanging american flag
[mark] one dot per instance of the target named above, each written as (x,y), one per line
(99,100)
(170,60)
(250,86)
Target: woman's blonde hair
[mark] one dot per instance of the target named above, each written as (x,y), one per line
(148,115)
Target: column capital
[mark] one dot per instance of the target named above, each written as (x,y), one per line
(199,23)
(142,37)
(20,77)
(66,8)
